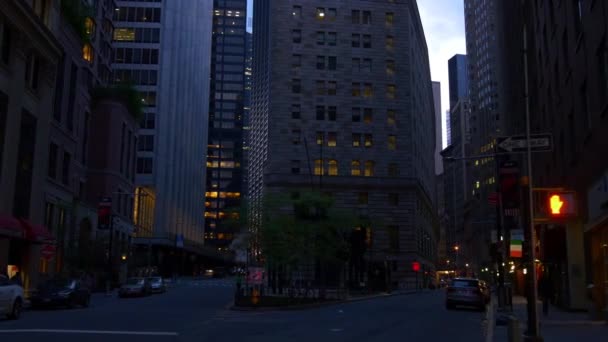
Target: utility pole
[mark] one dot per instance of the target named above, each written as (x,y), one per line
(533,332)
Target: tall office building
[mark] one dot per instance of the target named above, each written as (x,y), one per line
(459,78)
(345,88)
(486,120)
(163,47)
(438,132)
(226,116)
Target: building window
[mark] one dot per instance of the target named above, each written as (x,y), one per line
(367,115)
(296,86)
(147,121)
(5,43)
(356,89)
(366,66)
(295,167)
(32,71)
(356,116)
(89,26)
(393,238)
(355,168)
(362,198)
(296,13)
(356,16)
(88,54)
(296,62)
(296,36)
(332,138)
(367,17)
(53,149)
(393,199)
(320,86)
(369,168)
(65,174)
(320,62)
(390,18)
(331,63)
(320,38)
(390,43)
(333,167)
(356,40)
(368,140)
(332,13)
(332,38)
(320,112)
(295,111)
(356,64)
(332,88)
(393,170)
(391,91)
(331,113)
(391,117)
(368,90)
(367,41)
(144,165)
(390,67)
(320,137)
(320,13)
(392,142)
(356,140)
(145,143)
(319,167)
(295,136)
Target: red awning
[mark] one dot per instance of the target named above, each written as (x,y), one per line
(36,233)
(11,227)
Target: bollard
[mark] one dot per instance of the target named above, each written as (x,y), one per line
(513,329)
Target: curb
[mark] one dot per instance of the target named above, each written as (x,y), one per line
(322,304)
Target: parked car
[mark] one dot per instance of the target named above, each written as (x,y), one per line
(11,298)
(466,292)
(135,287)
(61,292)
(157,285)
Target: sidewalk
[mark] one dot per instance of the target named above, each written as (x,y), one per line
(558,325)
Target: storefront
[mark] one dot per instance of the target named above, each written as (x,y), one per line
(597,230)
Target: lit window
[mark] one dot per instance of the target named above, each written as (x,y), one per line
(391,91)
(88,53)
(89,26)
(392,142)
(369,168)
(390,68)
(390,42)
(332,138)
(368,140)
(391,117)
(356,139)
(355,168)
(368,90)
(333,167)
(390,18)
(320,138)
(320,13)
(319,167)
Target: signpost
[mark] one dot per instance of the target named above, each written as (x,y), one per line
(519,143)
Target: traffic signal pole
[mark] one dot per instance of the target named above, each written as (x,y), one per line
(533,331)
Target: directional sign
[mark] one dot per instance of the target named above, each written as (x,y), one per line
(519,143)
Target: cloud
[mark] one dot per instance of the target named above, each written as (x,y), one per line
(443,22)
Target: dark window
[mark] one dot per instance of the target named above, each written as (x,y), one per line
(65,173)
(144,165)
(356,16)
(25,165)
(295,166)
(356,40)
(367,115)
(295,136)
(145,143)
(356,114)
(320,38)
(296,86)
(332,38)
(32,71)
(52,171)
(363,198)
(393,199)
(3,116)
(331,113)
(331,63)
(320,113)
(332,87)
(320,62)
(367,41)
(393,237)
(367,17)
(295,111)
(393,170)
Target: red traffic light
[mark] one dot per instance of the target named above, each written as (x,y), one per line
(561,204)
(416,266)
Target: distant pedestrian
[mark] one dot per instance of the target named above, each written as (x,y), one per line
(547,291)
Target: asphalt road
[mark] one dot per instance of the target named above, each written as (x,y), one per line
(198,311)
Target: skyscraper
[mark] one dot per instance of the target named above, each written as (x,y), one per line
(438,131)
(459,78)
(343,102)
(163,48)
(226,115)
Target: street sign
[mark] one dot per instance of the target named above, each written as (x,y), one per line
(519,143)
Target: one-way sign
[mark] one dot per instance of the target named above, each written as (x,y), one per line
(518,143)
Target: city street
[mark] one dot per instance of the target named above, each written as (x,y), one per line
(198,311)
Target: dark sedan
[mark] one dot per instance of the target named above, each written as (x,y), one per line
(61,292)
(134,287)
(466,292)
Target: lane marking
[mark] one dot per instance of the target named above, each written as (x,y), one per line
(336,330)
(92,332)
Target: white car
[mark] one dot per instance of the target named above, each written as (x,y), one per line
(11,298)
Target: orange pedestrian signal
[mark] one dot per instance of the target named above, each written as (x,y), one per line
(561,204)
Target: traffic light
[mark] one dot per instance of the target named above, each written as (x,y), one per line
(561,204)
(415,266)
(104,213)
(509,185)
